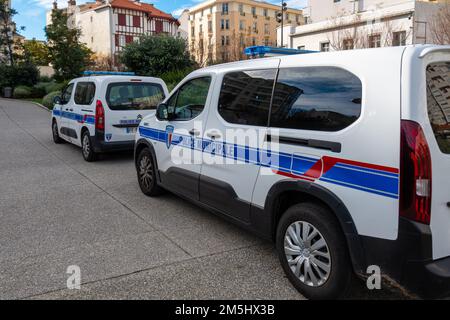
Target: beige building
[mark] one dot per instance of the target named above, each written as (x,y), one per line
(219,30)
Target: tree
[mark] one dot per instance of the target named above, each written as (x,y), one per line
(68,55)
(440,25)
(8,44)
(156,55)
(37,51)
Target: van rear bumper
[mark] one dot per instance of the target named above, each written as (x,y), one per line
(429,279)
(102,146)
(408,260)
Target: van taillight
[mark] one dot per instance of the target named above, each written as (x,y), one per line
(415,173)
(99,116)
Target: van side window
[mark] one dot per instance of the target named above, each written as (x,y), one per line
(67,93)
(189,101)
(316,98)
(438,101)
(245,97)
(84,93)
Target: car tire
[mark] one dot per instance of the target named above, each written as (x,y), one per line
(87,149)
(313,252)
(55,133)
(146,173)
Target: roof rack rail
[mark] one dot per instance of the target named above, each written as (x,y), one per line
(261,51)
(107,73)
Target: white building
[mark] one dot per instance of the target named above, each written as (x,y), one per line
(348,24)
(108,25)
(183,29)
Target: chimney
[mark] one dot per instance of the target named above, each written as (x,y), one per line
(55,5)
(71,3)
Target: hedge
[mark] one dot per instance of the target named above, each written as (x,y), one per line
(48,99)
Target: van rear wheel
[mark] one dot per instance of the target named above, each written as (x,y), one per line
(146,173)
(313,252)
(86,147)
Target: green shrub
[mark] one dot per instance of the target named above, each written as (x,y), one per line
(22,92)
(38,91)
(175,76)
(45,79)
(48,99)
(54,86)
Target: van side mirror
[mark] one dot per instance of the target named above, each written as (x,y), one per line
(164,112)
(57,100)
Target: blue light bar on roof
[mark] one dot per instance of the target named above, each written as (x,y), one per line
(261,51)
(107,73)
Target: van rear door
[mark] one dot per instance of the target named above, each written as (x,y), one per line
(438,108)
(128,101)
(426,101)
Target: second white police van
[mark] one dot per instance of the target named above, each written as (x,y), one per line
(101,112)
(341,158)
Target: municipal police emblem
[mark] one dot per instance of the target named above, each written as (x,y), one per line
(169,134)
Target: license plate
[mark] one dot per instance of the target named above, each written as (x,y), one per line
(131,130)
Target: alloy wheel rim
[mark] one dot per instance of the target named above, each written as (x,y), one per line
(55,130)
(145,172)
(307,253)
(86,146)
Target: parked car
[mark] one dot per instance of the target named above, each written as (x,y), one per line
(102,113)
(352,169)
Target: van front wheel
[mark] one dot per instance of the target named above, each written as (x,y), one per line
(313,252)
(146,173)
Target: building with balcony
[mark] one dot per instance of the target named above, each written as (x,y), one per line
(219,30)
(352,24)
(108,25)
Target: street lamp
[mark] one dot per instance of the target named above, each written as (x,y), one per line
(280,19)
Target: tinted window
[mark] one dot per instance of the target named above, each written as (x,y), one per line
(67,93)
(245,97)
(316,98)
(134,96)
(84,93)
(438,101)
(189,101)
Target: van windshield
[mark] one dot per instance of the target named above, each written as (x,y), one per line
(134,96)
(438,101)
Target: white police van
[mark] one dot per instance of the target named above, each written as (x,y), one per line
(101,111)
(350,168)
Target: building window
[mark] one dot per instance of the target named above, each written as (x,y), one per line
(266,41)
(159,26)
(224,8)
(227,24)
(255,27)
(223,40)
(227,40)
(241,25)
(325,46)
(122,19)
(301,47)
(136,21)
(266,13)
(375,41)
(92,19)
(128,39)
(210,26)
(254,11)
(347,44)
(266,28)
(201,29)
(92,39)
(192,31)
(222,24)
(241,40)
(399,38)
(122,40)
(253,41)
(241,8)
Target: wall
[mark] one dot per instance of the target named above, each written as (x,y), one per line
(96,32)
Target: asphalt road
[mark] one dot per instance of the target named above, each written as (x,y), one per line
(56,210)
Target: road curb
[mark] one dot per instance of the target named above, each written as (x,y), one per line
(38,104)
(32,102)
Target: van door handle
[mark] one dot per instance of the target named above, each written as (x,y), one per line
(194,132)
(213,135)
(70,109)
